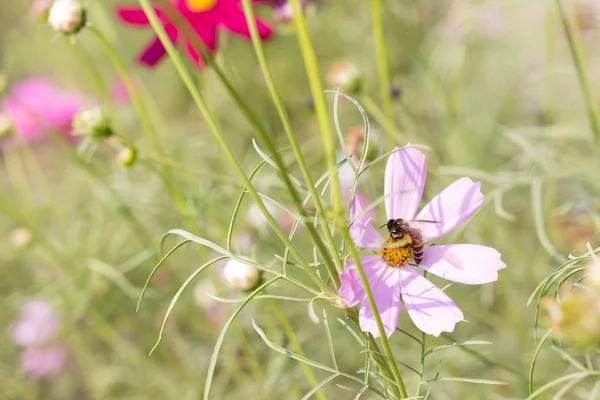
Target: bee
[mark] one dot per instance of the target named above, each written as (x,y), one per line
(399,228)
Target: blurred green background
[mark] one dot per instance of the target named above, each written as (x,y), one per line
(489,86)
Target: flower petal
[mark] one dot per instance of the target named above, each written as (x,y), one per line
(361,231)
(453,206)
(405,176)
(133,15)
(236,23)
(431,310)
(464,263)
(351,289)
(155,51)
(384,283)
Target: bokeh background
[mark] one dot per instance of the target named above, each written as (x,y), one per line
(489,86)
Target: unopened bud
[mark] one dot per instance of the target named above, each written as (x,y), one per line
(66,16)
(91,122)
(240,276)
(20,237)
(345,75)
(127,156)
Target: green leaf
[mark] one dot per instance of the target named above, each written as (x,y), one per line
(320,385)
(465,343)
(467,380)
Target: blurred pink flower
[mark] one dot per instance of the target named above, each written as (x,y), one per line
(44,362)
(390,277)
(37,324)
(37,107)
(205,16)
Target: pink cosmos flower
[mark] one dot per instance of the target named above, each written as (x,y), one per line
(37,107)
(37,324)
(205,16)
(392,280)
(44,362)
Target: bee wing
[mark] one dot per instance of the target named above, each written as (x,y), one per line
(425,227)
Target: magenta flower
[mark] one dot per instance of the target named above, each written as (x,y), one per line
(37,324)
(392,280)
(205,16)
(37,107)
(44,362)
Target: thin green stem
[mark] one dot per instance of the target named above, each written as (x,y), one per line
(382,67)
(218,136)
(255,121)
(578,54)
(422,370)
(289,331)
(384,341)
(146,123)
(285,120)
(316,87)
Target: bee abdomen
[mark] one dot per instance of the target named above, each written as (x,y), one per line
(418,250)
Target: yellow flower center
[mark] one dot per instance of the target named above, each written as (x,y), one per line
(200,5)
(398,255)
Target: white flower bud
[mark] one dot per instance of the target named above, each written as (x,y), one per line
(346,76)
(66,16)
(20,237)
(126,156)
(240,276)
(91,122)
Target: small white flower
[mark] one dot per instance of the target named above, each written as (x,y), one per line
(90,122)
(66,16)
(257,220)
(240,276)
(5,125)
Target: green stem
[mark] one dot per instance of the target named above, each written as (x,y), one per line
(146,124)
(382,66)
(218,136)
(255,121)
(578,54)
(384,340)
(316,87)
(422,370)
(289,331)
(285,120)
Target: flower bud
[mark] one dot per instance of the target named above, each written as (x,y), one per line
(66,16)
(240,276)
(91,122)
(6,125)
(346,76)
(127,156)
(20,237)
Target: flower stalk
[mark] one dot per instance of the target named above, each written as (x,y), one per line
(218,136)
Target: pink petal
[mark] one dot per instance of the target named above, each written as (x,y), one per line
(428,306)
(453,206)
(464,263)
(155,51)
(132,15)
(352,290)
(384,283)
(45,362)
(361,231)
(236,23)
(405,176)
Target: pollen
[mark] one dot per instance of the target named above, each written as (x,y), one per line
(400,255)
(200,5)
